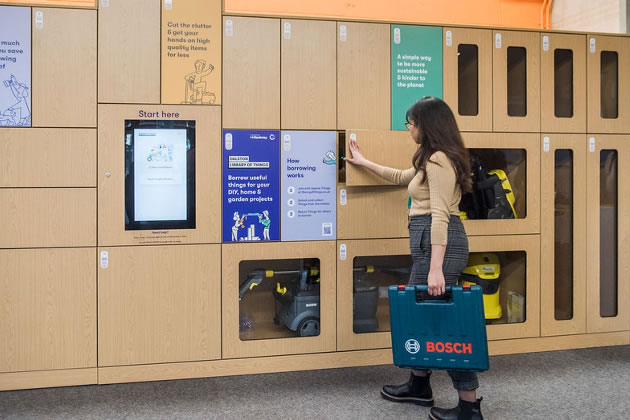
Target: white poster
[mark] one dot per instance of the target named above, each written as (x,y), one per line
(15,66)
(160,175)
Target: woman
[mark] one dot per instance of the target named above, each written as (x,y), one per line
(439,245)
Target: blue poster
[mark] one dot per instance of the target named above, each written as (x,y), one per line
(309,179)
(15,66)
(251,185)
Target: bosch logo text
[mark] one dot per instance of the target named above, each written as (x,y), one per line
(439,347)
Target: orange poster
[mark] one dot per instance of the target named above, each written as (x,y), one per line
(191,52)
(73,3)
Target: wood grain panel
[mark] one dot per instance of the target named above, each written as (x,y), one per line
(47,217)
(549,122)
(308,82)
(48,309)
(159,304)
(129,52)
(64,68)
(251,73)
(549,240)
(111,191)
(48,378)
(501,120)
(39,157)
(363,76)
(233,254)
(481,38)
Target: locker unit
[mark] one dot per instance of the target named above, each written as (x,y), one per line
(563,83)
(361,216)
(64,68)
(362,277)
(47,157)
(308,75)
(249,329)
(563,234)
(393,149)
(516,81)
(129,52)
(48,309)
(607,234)
(607,64)
(111,176)
(251,73)
(159,304)
(47,217)
(518,154)
(363,79)
(468,77)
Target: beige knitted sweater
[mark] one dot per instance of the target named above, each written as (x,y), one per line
(439,196)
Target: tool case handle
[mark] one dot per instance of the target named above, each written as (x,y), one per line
(422,294)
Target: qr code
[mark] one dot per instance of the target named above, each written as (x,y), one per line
(327,229)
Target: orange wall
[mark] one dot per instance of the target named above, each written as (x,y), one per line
(506,13)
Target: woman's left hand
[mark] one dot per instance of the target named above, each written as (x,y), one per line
(437,284)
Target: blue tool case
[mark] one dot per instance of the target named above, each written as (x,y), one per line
(447,332)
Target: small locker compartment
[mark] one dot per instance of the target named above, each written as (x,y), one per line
(506,170)
(251,73)
(152,190)
(278,298)
(468,77)
(365,269)
(363,79)
(607,234)
(563,234)
(608,67)
(516,84)
(563,83)
(308,75)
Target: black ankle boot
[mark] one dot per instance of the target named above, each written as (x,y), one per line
(417,390)
(465,410)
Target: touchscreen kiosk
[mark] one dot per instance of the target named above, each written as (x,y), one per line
(159,174)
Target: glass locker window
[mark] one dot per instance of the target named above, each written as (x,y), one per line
(371,276)
(279,299)
(468,79)
(608,252)
(563,83)
(563,234)
(609,89)
(517,81)
(500,177)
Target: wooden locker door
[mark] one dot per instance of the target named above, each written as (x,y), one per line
(363,76)
(251,73)
(308,73)
(111,176)
(159,304)
(347,251)
(288,342)
(524,178)
(608,284)
(511,273)
(371,212)
(563,83)
(64,68)
(468,77)
(48,306)
(608,65)
(516,73)
(47,157)
(393,149)
(563,234)
(129,51)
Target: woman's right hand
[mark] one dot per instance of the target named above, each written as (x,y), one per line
(357,157)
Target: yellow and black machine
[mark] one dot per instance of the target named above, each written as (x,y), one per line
(484,269)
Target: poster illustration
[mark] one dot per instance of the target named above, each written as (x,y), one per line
(251,185)
(15,66)
(309,179)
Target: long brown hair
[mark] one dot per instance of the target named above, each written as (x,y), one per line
(439,133)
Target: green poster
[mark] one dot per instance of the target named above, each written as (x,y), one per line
(416,68)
